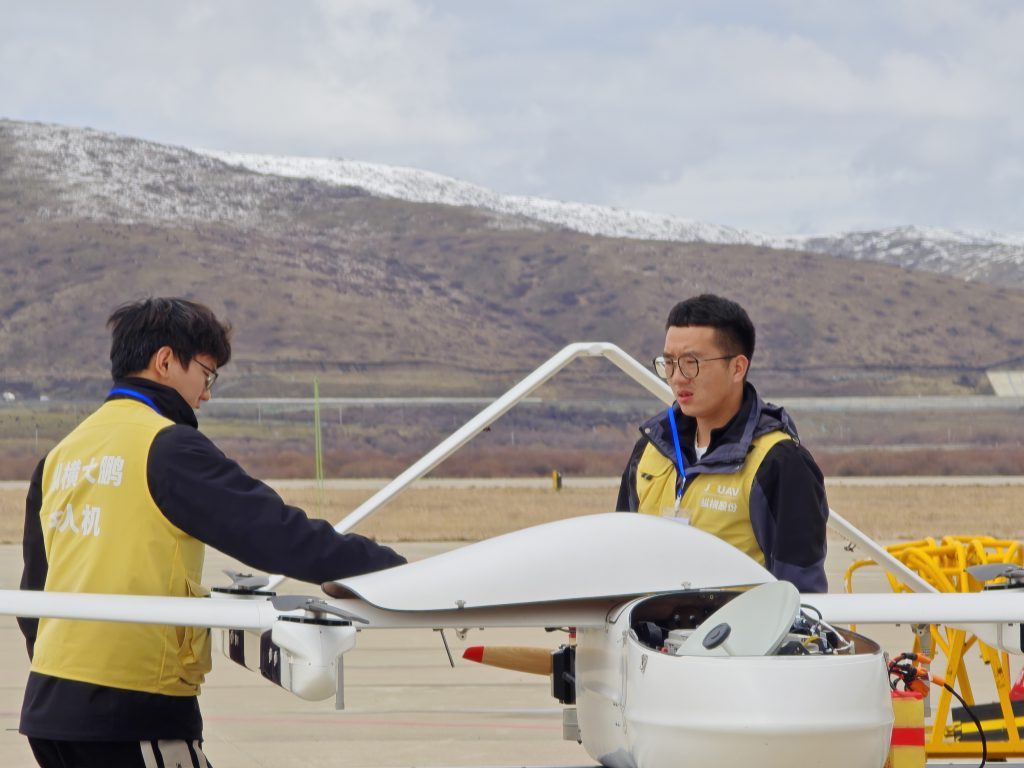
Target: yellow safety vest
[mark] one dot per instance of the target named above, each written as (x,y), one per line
(104,533)
(716,503)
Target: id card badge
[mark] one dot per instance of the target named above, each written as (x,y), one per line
(675,513)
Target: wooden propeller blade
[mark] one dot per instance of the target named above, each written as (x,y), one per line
(536,661)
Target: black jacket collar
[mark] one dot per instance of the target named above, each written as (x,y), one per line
(729,444)
(166,401)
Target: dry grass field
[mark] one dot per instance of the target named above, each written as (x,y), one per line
(887,513)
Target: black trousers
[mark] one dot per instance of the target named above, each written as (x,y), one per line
(118,754)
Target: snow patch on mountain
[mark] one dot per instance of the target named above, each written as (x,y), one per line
(974,256)
(987,257)
(103,175)
(425,187)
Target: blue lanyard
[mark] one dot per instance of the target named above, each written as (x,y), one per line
(680,465)
(147,401)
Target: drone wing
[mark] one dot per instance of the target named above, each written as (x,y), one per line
(251,615)
(565,573)
(994,616)
(1000,606)
(614,555)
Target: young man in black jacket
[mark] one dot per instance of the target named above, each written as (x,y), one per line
(722,457)
(126,504)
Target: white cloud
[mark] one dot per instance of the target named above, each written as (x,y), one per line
(270,75)
(805,197)
(777,130)
(773,115)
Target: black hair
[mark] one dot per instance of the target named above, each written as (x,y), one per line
(140,328)
(734,330)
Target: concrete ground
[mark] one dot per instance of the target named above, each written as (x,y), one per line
(405,706)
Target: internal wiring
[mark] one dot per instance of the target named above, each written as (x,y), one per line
(829,639)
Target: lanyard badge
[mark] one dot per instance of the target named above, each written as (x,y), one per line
(680,465)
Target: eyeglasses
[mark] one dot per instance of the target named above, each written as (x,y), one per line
(211,375)
(689,366)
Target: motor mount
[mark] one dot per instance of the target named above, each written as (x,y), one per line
(303,655)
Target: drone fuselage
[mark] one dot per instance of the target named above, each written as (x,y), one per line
(642,707)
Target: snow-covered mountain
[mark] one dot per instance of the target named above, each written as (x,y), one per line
(332,275)
(987,257)
(104,175)
(426,187)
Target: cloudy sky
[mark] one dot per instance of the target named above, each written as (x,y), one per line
(776,116)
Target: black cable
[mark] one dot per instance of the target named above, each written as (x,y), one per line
(977,723)
(811,607)
(902,669)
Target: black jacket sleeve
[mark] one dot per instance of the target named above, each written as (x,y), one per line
(628,500)
(33,575)
(792,527)
(211,498)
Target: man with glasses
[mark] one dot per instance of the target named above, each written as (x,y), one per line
(723,458)
(126,504)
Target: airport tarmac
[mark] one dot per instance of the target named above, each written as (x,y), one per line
(405,706)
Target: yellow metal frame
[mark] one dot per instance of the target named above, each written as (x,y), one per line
(944,565)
